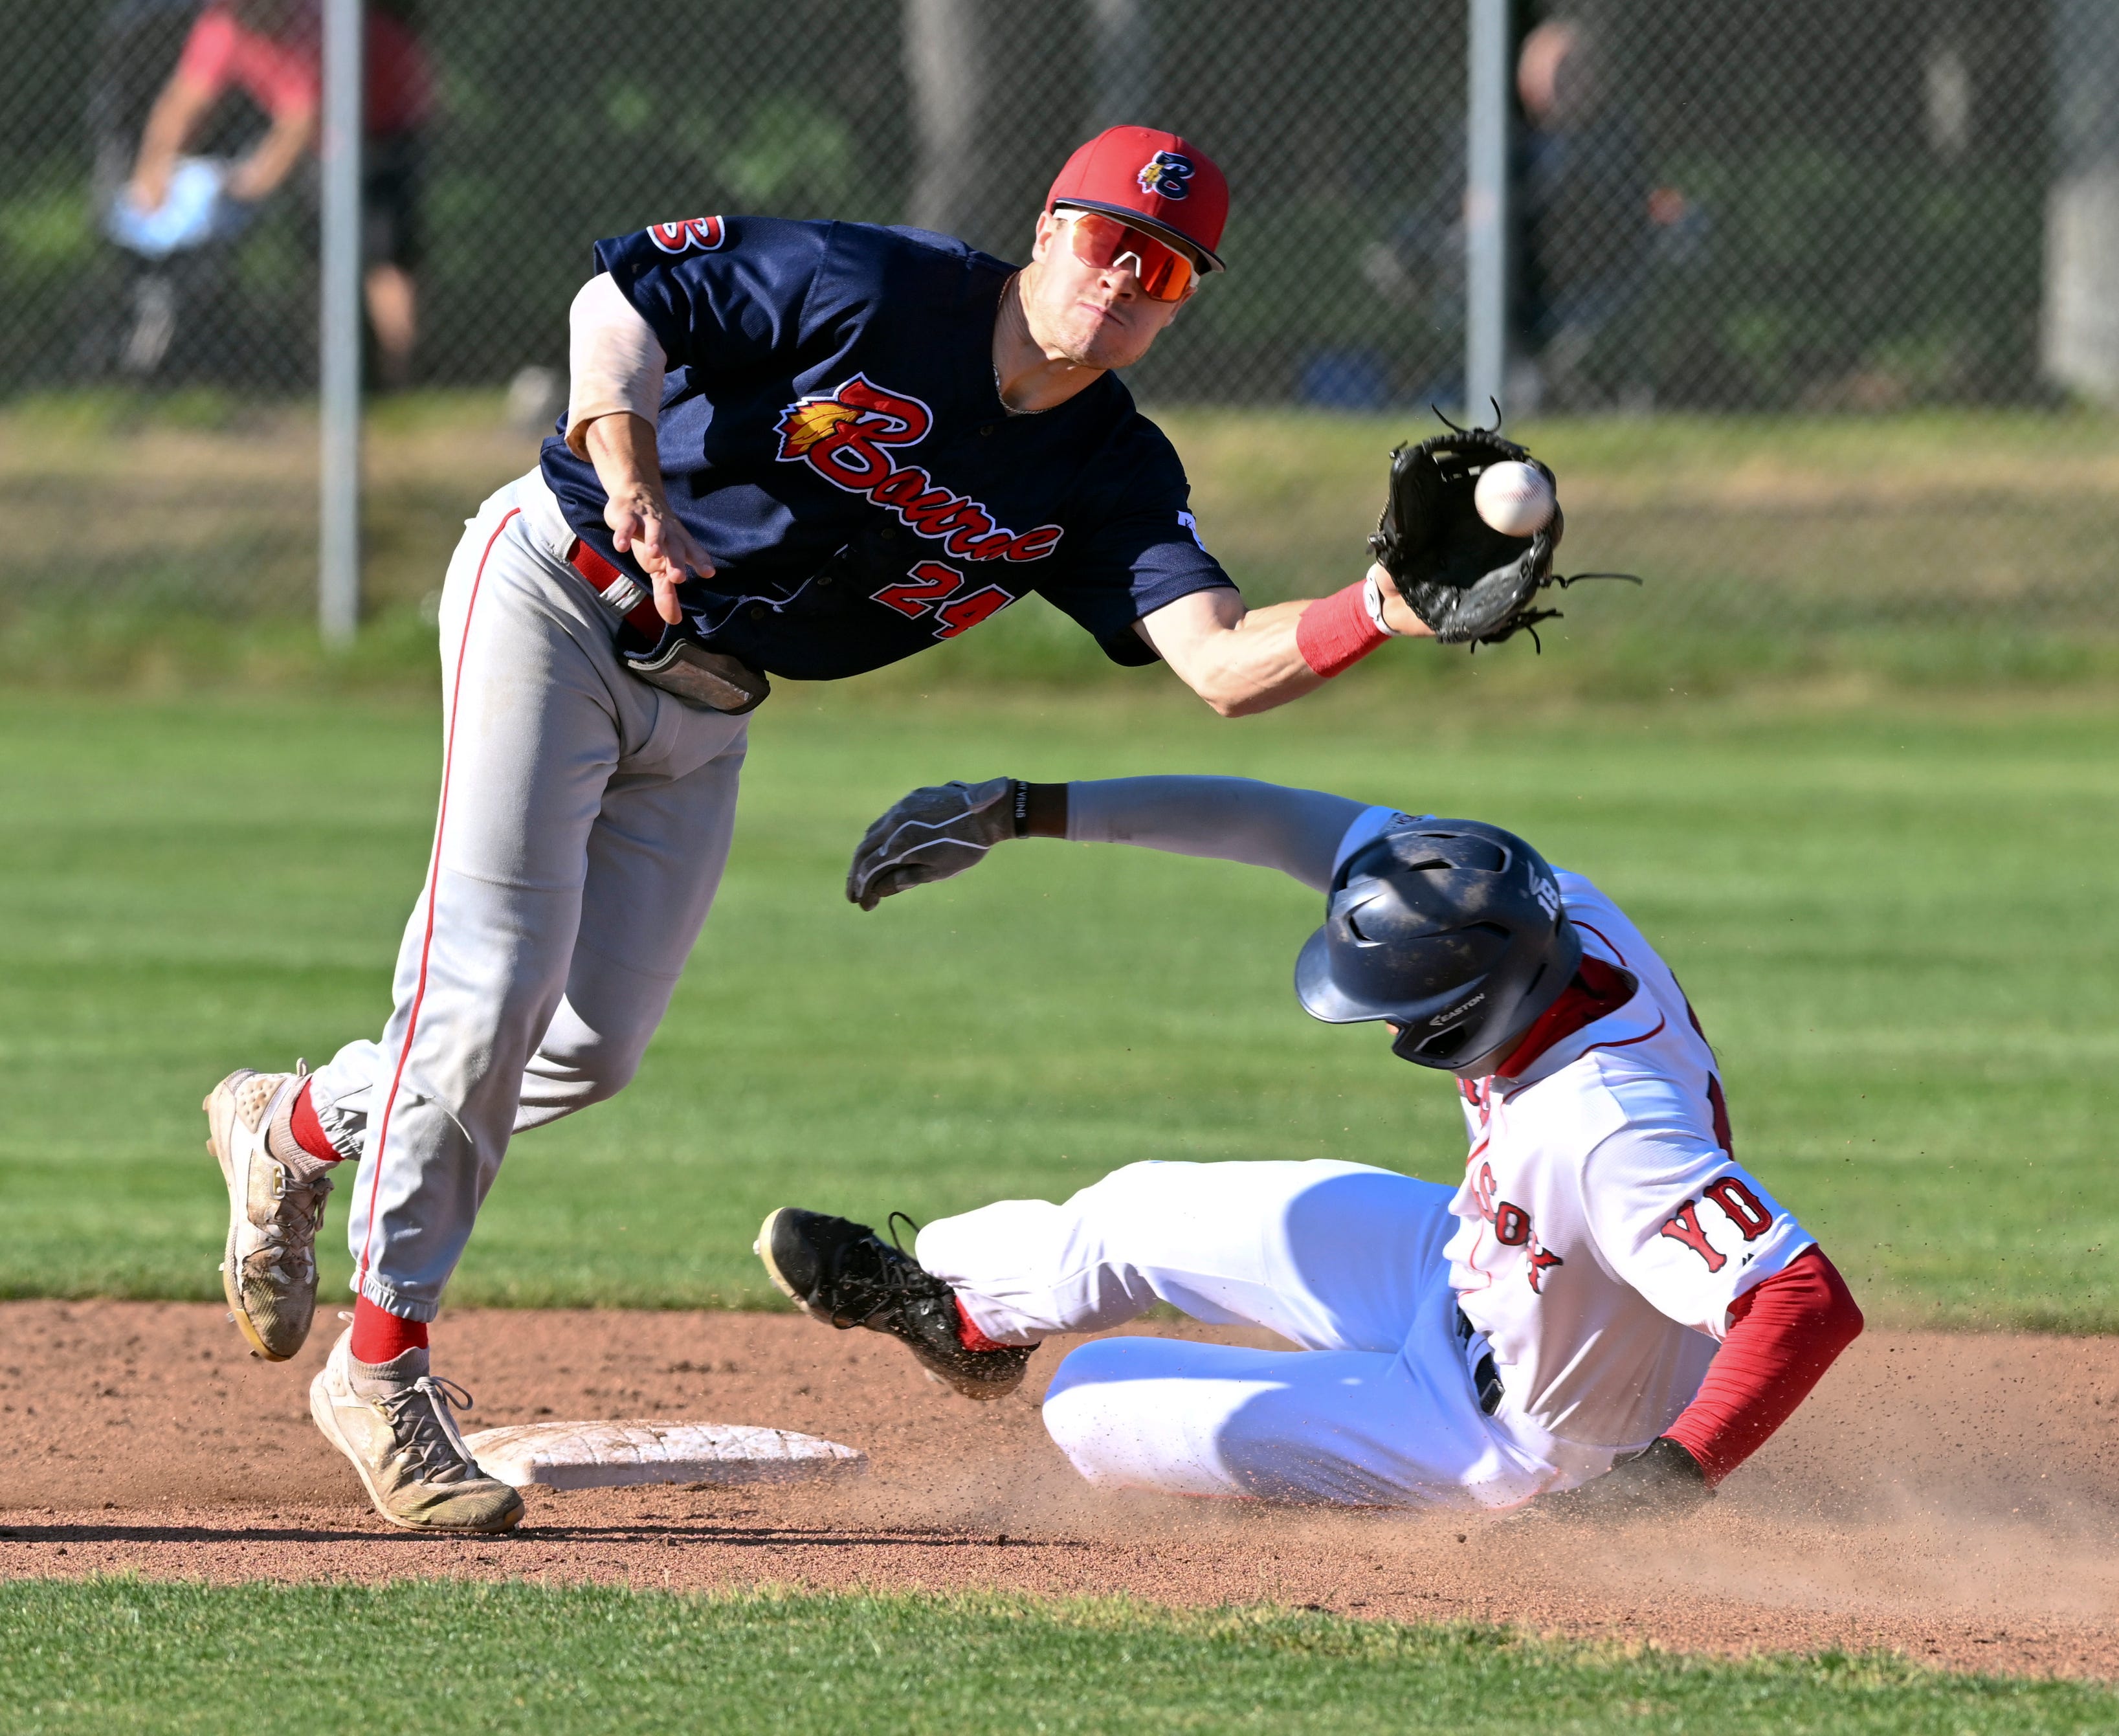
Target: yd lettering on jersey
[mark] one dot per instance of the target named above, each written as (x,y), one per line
(1739,1206)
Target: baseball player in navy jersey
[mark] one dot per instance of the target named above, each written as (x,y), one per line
(1606,1317)
(794,448)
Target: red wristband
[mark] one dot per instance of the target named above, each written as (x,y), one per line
(1335,632)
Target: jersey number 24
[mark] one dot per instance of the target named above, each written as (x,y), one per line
(930,585)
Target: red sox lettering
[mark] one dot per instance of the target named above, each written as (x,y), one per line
(1513,1229)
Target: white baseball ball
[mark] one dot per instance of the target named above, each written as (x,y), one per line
(1515,499)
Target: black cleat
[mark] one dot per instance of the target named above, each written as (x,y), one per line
(843,1273)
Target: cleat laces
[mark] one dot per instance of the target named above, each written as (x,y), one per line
(874,1279)
(423,1424)
(289,1237)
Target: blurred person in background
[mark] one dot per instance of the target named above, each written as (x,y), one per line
(272,50)
(1584,206)
(1589,230)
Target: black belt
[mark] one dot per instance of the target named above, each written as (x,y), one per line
(1487,1376)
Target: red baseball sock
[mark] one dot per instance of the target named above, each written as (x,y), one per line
(968,1330)
(380,1336)
(310,1133)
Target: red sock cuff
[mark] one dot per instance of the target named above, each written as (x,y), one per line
(380,1336)
(1335,632)
(310,1133)
(968,1330)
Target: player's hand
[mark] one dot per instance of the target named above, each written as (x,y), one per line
(1662,1480)
(1397,613)
(250,180)
(151,185)
(929,835)
(642,526)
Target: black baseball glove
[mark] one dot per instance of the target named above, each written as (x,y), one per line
(1467,581)
(1662,1479)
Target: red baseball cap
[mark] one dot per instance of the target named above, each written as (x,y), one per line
(1153,178)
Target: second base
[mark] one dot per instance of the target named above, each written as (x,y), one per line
(614,1455)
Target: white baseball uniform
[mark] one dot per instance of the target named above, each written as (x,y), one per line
(1601,1233)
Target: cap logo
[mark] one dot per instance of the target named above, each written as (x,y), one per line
(1167,174)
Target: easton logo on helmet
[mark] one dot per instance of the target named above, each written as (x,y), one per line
(693,235)
(1167,174)
(1456,1013)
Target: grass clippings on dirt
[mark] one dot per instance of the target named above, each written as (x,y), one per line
(122,1655)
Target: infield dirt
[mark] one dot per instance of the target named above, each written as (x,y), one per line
(1952,1497)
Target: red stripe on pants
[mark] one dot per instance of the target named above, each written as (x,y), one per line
(433,883)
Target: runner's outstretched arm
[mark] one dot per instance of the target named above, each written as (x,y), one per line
(932,834)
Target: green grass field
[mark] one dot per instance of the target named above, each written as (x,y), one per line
(1848,757)
(1893,920)
(1964,546)
(1890,913)
(120,1656)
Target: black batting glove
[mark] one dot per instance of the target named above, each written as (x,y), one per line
(931,834)
(1662,1480)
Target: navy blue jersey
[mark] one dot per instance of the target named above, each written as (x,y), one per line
(831,432)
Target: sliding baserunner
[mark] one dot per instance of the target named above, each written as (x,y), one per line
(803,449)
(1609,1314)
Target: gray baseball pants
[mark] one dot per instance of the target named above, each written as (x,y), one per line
(584,822)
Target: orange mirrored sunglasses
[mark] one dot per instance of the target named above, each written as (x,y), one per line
(1103,241)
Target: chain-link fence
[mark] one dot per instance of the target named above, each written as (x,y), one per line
(1819,207)
(1815,204)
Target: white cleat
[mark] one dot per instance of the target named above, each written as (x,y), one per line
(276,1202)
(394,1420)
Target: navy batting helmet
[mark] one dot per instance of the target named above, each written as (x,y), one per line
(1450,929)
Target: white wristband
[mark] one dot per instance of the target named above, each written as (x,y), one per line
(1372,594)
